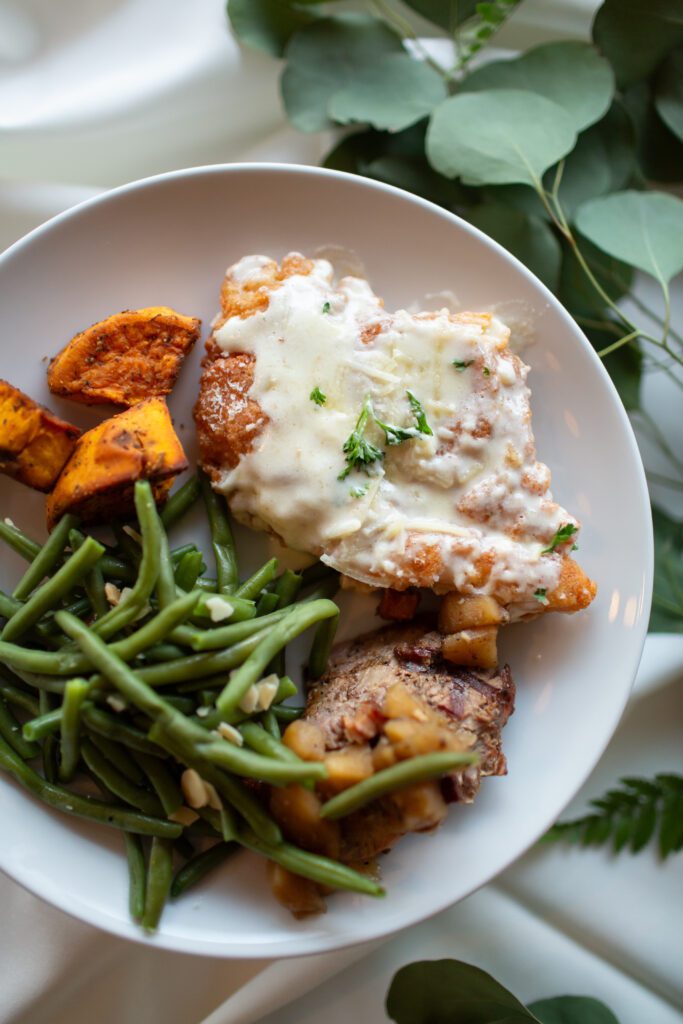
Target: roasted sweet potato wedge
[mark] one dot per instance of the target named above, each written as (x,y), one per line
(34,443)
(126,358)
(98,480)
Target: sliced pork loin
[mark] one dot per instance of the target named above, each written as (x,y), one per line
(391,690)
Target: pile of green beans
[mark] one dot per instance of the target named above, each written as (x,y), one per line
(125,697)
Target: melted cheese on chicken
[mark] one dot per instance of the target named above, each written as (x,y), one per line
(465,507)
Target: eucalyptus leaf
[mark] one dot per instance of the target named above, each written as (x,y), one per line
(603,160)
(416,176)
(644,229)
(635,35)
(669,93)
(572,1010)
(519,197)
(660,152)
(391,93)
(445,991)
(667,600)
(572,74)
(266,24)
(498,137)
(326,56)
(528,238)
(447,14)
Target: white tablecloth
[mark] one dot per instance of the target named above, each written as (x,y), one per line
(97,92)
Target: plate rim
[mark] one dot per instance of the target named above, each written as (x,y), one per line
(295,946)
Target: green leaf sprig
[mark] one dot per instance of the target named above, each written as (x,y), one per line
(360,453)
(562,535)
(450,991)
(628,817)
(317,396)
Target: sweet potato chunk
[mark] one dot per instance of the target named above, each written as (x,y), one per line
(126,358)
(34,443)
(98,480)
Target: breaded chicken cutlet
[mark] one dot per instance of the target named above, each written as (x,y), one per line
(397,447)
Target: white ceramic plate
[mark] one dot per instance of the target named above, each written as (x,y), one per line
(167,240)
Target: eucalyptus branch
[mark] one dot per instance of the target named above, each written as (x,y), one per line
(471,39)
(618,344)
(406,31)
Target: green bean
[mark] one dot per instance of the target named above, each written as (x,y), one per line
(165,785)
(200,866)
(312,865)
(225,636)
(323,639)
(180,703)
(110,727)
(117,754)
(179,503)
(115,781)
(242,608)
(83,806)
(43,725)
(197,666)
(267,603)
(50,758)
(287,587)
(240,761)
(128,610)
(317,573)
(264,743)
(163,652)
(157,628)
(405,773)
(8,605)
(143,697)
(270,724)
(222,822)
(299,618)
(136,875)
(94,581)
(207,583)
(11,731)
(230,789)
(116,569)
(19,698)
(159,878)
(177,554)
(75,693)
(253,586)
(286,714)
(128,547)
(189,570)
(18,541)
(222,540)
(53,590)
(166,585)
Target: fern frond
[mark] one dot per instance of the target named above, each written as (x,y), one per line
(628,817)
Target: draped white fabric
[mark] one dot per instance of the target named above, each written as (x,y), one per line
(97,92)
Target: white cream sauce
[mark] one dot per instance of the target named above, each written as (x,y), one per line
(433,505)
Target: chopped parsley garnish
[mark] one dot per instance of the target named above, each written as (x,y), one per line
(565,533)
(419,413)
(317,396)
(486,371)
(462,364)
(326,307)
(540,595)
(360,453)
(396,435)
(358,492)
